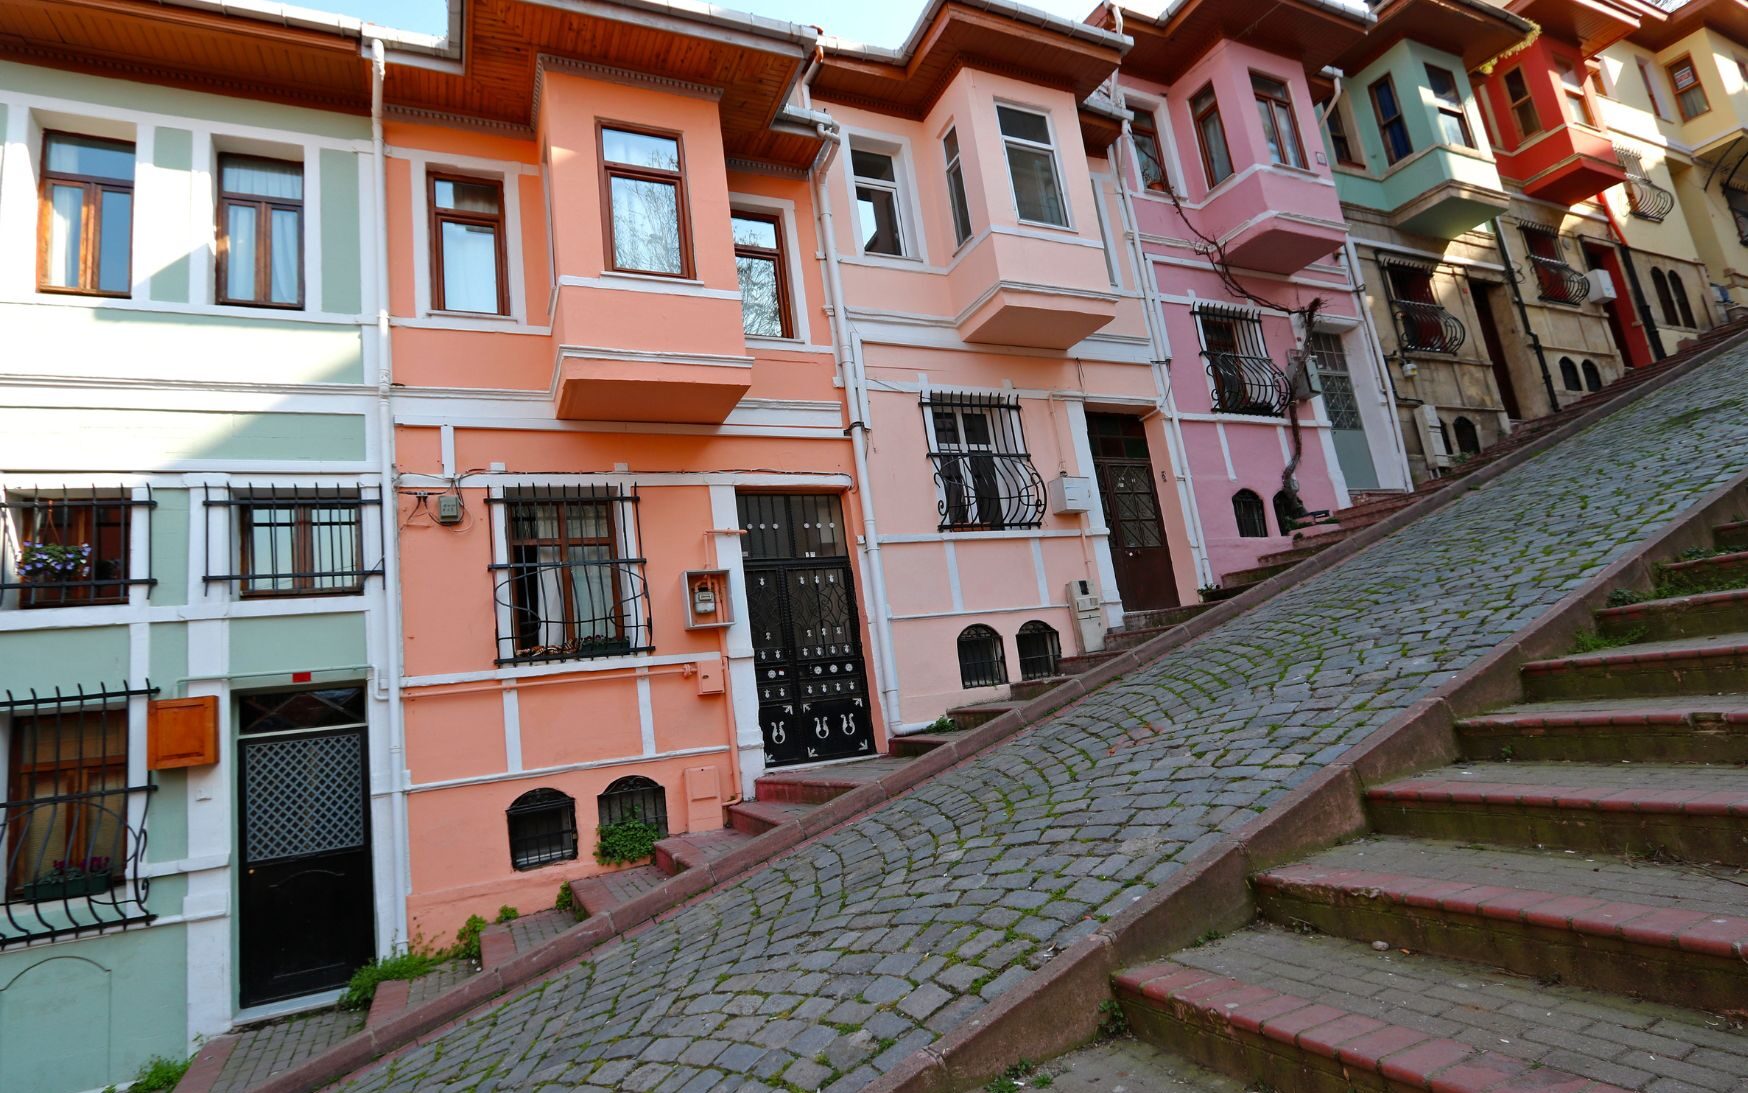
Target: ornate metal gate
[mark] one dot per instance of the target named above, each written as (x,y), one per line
(807,633)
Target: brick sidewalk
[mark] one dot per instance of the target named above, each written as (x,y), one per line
(826,968)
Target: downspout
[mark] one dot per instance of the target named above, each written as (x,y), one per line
(391,565)
(1647,317)
(1159,353)
(848,351)
(1535,339)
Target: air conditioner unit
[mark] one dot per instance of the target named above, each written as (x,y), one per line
(1069,493)
(1601,285)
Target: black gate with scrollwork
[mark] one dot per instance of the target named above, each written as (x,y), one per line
(807,633)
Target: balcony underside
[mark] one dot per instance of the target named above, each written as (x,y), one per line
(1277,242)
(1038,316)
(1450,209)
(699,391)
(1578,177)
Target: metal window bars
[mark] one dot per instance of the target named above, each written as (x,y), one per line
(1245,379)
(573,587)
(70,547)
(1737,200)
(1557,282)
(634,798)
(984,477)
(543,828)
(304,540)
(1040,649)
(1427,328)
(72,851)
(1645,199)
(982,662)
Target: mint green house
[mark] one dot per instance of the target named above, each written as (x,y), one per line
(193,746)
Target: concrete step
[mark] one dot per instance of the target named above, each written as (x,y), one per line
(1254,575)
(1701,615)
(969,717)
(1118,640)
(1717,664)
(1163,616)
(1084,662)
(1659,931)
(1027,689)
(920,743)
(1733,535)
(817,785)
(1706,574)
(1689,813)
(1637,730)
(758,817)
(678,853)
(1324,1015)
(601,892)
(1313,547)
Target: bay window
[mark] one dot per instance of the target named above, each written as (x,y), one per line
(956,188)
(1032,166)
(876,182)
(1280,130)
(1211,136)
(1453,123)
(646,196)
(761,269)
(1392,127)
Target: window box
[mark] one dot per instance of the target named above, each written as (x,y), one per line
(66,885)
(73,547)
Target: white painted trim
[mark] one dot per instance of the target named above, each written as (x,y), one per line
(956,613)
(617,280)
(557,668)
(910,226)
(950,556)
(544,772)
(973,536)
(512,729)
(645,714)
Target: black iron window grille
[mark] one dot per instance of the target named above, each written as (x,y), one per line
(1737,200)
(69,547)
(72,850)
(1245,380)
(543,828)
(635,798)
(294,540)
(1339,401)
(982,662)
(984,478)
(1558,282)
(1422,323)
(1569,375)
(1645,199)
(573,587)
(1040,650)
(1247,510)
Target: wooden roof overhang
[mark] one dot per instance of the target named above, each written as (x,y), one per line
(1314,31)
(199,48)
(1593,25)
(753,64)
(1475,30)
(1727,17)
(907,82)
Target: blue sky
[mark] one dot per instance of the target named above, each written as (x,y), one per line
(875,22)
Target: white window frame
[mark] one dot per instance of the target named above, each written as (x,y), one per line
(1007,143)
(902,187)
(950,164)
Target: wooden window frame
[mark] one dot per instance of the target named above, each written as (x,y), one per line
(438,216)
(564,542)
(1451,107)
(77,777)
(264,208)
(302,574)
(1575,96)
(779,257)
(1384,123)
(1647,76)
(1144,127)
(1528,99)
(1339,141)
(86,519)
(1197,115)
(675,178)
(90,219)
(1277,104)
(1698,85)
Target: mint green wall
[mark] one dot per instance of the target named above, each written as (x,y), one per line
(342,291)
(168,662)
(170,547)
(32,439)
(198,348)
(54,83)
(77,1017)
(296,643)
(45,659)
(173,150)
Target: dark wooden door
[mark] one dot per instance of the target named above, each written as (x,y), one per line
(307,916)
(1131,504)
(1485,297)
(807,631)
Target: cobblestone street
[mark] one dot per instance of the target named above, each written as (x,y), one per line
(829,966)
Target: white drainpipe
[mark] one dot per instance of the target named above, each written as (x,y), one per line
(391,566)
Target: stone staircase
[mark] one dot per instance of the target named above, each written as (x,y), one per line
(1374,507)
(1566,909)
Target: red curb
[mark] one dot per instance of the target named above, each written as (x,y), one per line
(495,946)
(208,1064)
(391,998)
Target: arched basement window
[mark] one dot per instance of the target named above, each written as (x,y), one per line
(1040,650)
(1247,508)
(543,828)
(982,663)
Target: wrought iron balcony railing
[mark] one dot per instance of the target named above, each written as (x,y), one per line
(1428,328)
(1248,385)
(1647,200)
(1741,218)
(572,610)
(987,491)
(1559,283)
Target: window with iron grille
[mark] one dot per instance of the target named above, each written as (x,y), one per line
(984,478)
(1678,292)
(1040,650)
(1737,200)
(68,547)
(1645,199)
(1559,282)
(1569,375)
(635,798)
(982,661)
(1244,378)
(1422,323)
(572,586)
(71,827)
(1592,375)
(1467,437)
(543,828)
(293,540)
(1248,511)
(1330,357)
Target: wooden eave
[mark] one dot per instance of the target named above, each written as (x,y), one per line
(1728,17)
(1592,25)
(1098,131)
(957,38)
(188,48)
(1166,48)
(1475,30)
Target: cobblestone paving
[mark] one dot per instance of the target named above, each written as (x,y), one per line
(265,1050)
(829,966)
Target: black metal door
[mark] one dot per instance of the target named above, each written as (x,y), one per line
(807,632)
(307,916)
(1139,552)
